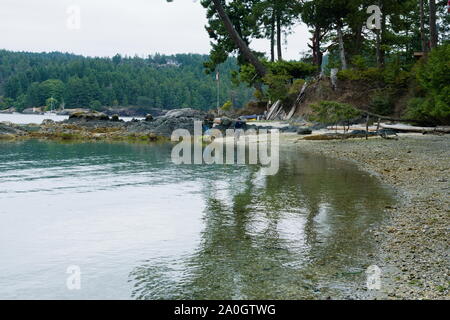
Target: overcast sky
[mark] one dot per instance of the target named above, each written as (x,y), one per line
(107,27)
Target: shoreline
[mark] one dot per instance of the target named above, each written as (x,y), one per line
(413,247)
(413,240)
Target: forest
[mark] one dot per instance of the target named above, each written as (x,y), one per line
(399,48)
(73,81)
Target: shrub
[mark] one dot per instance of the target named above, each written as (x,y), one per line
(278,86)
(370,74)
(296,87)
(433,77)
(359,62)
(293,69)
(381,103)
(227,106)
(332,112)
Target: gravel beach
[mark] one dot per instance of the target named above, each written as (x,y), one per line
(414,240)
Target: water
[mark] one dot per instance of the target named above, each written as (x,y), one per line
(140,227)
(19,118)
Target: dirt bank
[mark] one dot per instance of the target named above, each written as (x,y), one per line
(414,240)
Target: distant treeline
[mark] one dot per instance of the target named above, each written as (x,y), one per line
(159,81)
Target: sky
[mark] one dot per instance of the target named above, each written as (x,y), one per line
(107,27)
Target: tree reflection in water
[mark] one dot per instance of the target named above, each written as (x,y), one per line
(300,234)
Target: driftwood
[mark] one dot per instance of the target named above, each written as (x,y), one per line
(404,127)
(300,98)
(274,110)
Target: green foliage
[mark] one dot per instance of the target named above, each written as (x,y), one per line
(296,87)
(433,77)
(158,81)
(51,103)
(332,112)
(368,75)
(360,62)
(227,106)
(395,73)
(292,69)
(95,105)
(282,79)
(381,103)
(6,103)
(278,86)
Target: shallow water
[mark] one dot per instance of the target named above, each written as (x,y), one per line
(140,227)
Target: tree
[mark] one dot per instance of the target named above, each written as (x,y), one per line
(219,52)
(314,14)
(77,81)
(433,77)
(275,17)
(433,25)
(332,112)
(423,38)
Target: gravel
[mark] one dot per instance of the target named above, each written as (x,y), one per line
(414,240)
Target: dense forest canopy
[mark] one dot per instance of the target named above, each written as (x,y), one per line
(159,81)
(377,41)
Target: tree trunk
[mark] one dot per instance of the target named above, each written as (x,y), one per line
(272,38)
(423,38)
(243,47)
(433,25)
(317,53)
(280,54)
(382,39)
(378,48)
(341,47)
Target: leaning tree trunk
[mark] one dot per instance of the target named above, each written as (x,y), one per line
(243,47)
(341,47)
(423,38)
(433,25)
(280,54)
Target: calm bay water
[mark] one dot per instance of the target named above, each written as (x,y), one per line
(140,227)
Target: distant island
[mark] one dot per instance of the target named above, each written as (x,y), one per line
(131,86)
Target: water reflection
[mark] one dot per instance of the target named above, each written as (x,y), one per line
(297,235)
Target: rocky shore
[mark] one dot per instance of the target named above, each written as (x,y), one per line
(89,125)
(414,241)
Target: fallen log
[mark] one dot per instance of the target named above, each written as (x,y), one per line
(408,128)
(274,109)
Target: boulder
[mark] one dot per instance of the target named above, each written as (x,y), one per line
(304,131)
(32,111)
(89,116)
(10,129)
(68,112)
(185,113)
(48,122)
(115,118)
(10,110)
(227,122)
(149,118)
